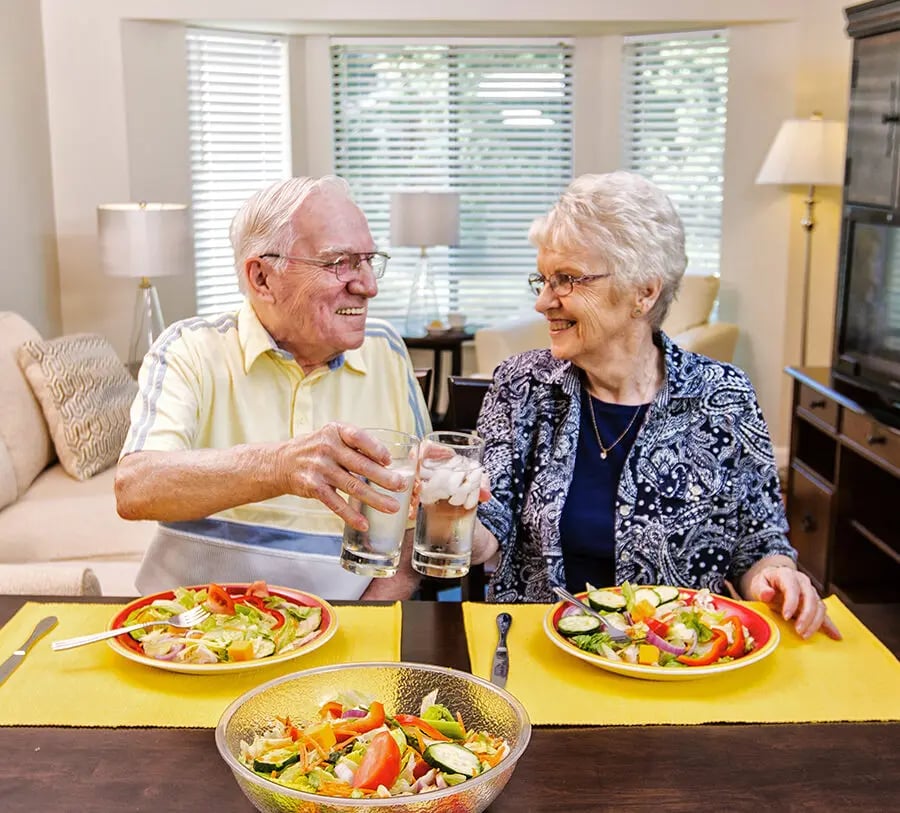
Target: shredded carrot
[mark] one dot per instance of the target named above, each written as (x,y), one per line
(310,741)
(335,789)
(461,724)
(491,759)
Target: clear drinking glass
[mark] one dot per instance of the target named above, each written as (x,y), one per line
(450,479)
(376,552)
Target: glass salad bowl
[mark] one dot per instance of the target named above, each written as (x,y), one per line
(400,687)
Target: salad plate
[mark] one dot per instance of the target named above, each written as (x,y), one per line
(762,630)
(310,619)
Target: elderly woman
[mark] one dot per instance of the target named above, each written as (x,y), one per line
(616,455)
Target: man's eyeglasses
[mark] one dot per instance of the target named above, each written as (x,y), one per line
(560,284)
(345,267)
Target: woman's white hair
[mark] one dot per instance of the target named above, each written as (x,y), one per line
(626,223)
(264,224)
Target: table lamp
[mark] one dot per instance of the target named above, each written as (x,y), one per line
(144,240)
(807,152)
(422,220)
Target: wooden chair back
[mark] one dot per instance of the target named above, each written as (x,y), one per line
(464,401)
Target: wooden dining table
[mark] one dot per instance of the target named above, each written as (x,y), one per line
(773,767)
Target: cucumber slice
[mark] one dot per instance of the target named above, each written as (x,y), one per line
(648,595)
(570,625)
(452,758)
(606,600)
(276,760)
(667,594)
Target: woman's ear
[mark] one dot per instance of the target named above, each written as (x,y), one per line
(256,276)
(648,294)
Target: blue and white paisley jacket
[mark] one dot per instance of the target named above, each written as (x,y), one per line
(699,499)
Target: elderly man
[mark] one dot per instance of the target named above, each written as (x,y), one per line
(246,429)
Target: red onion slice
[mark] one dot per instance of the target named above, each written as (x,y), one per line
(661,643)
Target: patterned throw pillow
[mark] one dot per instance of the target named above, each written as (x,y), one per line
(85,392)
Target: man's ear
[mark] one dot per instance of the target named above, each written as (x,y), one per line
(256,277)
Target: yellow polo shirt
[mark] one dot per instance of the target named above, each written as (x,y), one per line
(215,382)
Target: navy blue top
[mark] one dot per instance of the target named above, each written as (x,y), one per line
(587,525)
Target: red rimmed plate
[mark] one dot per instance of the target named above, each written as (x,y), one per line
(763,630)
(128,647)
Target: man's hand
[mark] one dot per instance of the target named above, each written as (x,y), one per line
(791,593)
(320,464)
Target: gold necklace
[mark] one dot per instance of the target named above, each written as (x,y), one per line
(605,450)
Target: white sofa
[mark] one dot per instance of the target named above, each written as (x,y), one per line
(56,533)
(688,324)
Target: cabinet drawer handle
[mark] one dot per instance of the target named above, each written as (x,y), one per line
(890,118)
(875,440)
(808,523)
(820,404)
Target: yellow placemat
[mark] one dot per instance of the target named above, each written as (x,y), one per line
(93,686)
(802,681)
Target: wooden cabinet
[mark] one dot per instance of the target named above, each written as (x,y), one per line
(843,492)
(872,175)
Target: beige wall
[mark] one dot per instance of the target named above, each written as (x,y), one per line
(28,275)
(114,137)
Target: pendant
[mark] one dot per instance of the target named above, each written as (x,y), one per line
(603,454)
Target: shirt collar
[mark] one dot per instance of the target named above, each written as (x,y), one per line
(256,340)
(676,385)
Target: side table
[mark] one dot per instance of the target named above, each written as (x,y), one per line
(451,340)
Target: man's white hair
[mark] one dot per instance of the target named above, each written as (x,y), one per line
(264,225)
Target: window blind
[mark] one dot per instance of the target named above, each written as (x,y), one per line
(673,124)
(240,142)
(492,122)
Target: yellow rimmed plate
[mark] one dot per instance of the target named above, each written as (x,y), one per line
(763,630)
(128,647)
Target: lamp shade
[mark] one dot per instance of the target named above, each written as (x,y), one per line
(806,151)
(424,219)
(144,239)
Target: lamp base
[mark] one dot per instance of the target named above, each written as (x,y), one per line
(148,322)
(423,310)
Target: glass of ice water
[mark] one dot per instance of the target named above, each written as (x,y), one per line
(450,479)
(376,552)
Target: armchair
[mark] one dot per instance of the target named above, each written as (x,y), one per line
(688,324)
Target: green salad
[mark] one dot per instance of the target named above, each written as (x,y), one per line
(241,627)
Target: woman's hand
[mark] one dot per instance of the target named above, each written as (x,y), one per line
(792,593)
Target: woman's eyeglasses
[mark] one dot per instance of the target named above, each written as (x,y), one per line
(345,267)
(560,284)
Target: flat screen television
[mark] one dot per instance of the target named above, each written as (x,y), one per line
(867,339)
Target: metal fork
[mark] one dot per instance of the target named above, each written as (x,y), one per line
(189,618)
(613,632)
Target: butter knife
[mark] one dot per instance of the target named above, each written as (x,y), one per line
(500,666)
(9,665)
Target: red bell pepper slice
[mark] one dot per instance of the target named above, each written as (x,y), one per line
(278,616)
(253,601)
(714,651)
(380,764)
(423,725)
(218,600)
(659,627)
(736,648)
(360,725)
(331,710)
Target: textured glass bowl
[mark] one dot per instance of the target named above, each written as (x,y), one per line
(401,687)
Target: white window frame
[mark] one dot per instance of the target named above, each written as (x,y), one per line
(240,142)
(486,274)
(679,142)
